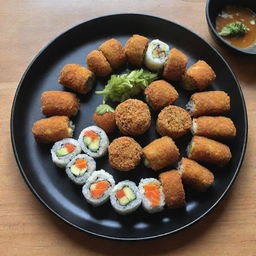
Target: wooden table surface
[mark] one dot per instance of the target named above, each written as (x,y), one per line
(26,227)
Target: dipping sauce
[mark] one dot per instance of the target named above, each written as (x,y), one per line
(232,13)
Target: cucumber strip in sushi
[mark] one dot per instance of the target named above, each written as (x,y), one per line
(156,55)
(125,197)
(98,187)
(94,141)
(64,150)
(80,168)
(152,195)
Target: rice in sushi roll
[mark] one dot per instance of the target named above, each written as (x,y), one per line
(125,197)
(64,150)
(156,55)
(80,168)
(98,187)
(152,195)
(94,141)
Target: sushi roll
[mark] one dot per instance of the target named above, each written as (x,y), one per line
(80,168)
(152,195)
(173,121)
(98,187)
(208,103)
(58,103)
(198,76)
(195,175)
(173,189)
(215,127)
(98,63)
(160,153)
(64,150)
(156,55)
(125,197)
(52,129)
(114,52)
(160,94)
(77,78)
(209,151)
(175,65)
(135,49)
(94,141)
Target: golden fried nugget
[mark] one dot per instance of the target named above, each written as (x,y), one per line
(175,65)
(98,64)
(52,129)
(135,49)
(160,153)
(173,189)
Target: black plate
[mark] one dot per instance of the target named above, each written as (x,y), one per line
(50,184)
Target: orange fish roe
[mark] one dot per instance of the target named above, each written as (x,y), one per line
(81,163)
(70,147)
(100,189)
(152,193)
(93,135)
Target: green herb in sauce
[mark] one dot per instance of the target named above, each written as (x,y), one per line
(234,29)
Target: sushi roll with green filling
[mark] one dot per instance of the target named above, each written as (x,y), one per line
(152,195)
(94,141)
(64,150)
(80,168)
(98,187)
(156,55)
(125,197)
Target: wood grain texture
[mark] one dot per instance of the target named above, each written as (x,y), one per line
(26,227)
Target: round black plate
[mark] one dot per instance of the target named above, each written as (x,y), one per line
(50,184)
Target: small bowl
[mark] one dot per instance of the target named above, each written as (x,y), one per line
(213,8)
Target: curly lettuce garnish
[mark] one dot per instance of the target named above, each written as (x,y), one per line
(122,87)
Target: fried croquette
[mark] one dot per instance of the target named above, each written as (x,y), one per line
(160,153)
(135,49)
(173,121)
(198,76)
(77,78)
(173,189)
(52,129)
(175,65)
(114,52)
(98,64)
(132,117)
(58,103)
(124,153)
(160,94)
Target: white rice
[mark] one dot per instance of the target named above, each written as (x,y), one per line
(146,204)
(96,177)
(62,161)
(191,107)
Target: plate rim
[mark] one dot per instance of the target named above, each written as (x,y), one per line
(44,203)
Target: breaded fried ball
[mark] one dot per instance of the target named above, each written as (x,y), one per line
(98,64)
(173,121)
(173,189)
(132,117)
(160,94)
(124,153)
(175,65)
(114,53)
(135,49)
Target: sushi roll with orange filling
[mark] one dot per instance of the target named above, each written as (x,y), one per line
(152,195)
(98,187)
(80,168)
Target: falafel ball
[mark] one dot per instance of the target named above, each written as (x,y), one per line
(132,117)
(124,153)
(173,121)
(114,53)
(160,94)
(98,64)
(173,189)
(175,65)
(135,49)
